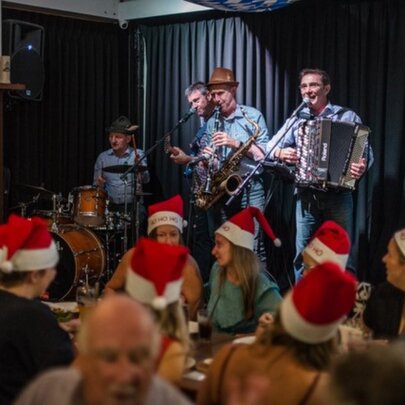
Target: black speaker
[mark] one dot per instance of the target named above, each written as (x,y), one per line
(24,43)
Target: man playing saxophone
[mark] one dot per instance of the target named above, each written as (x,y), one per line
(226,135)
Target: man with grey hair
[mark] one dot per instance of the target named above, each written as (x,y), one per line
(202,226)
(115,365)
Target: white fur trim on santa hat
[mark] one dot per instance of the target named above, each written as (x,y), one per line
(302,330)
(143,290)
(165,218)
(236,235)
(35,259)
(322,253)
(400,239)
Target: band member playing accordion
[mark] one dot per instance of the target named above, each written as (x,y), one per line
(321,201)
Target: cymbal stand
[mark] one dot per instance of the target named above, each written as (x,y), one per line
(125,237)
(54,226)
(23,206)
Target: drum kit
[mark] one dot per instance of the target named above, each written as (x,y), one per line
(90,238)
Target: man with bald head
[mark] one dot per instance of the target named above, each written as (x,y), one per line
(115,365)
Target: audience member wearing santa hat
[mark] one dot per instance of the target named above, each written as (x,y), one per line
(385,309)
(330,243)
(239,292)
(30,337)
(155,278)
(165,225)
(294,353)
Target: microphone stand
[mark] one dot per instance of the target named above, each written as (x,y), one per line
(291,120)
(134,167)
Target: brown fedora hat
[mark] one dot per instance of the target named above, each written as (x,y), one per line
(222,76)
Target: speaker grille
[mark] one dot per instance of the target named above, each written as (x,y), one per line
(27,68)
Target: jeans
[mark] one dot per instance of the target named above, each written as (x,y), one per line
(315,207)
(202,240)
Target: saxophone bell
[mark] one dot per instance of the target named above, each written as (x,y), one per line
(231,184)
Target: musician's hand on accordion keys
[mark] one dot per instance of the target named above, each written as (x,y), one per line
(358,169)
(287,155)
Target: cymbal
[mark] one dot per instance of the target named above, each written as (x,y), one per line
(37,189)
(122,168)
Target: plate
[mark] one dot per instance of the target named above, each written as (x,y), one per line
(190,363)
(247,340)
(63,306)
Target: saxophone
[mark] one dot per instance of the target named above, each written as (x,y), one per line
(228,178)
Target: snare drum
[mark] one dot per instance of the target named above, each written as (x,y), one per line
(89,206)
(79,251)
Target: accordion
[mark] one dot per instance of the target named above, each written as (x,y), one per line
(326,150)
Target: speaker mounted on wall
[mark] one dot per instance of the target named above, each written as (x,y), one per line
(24,42)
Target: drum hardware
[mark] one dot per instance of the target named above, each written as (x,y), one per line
(121,169)
(22,206)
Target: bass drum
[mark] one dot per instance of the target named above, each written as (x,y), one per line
(79,252)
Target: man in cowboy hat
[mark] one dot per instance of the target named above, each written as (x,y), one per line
(235,128)
(111,164)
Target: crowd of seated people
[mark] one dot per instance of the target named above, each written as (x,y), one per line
(295,359)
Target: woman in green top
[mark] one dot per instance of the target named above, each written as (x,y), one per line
(239,292)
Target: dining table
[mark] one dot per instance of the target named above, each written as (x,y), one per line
(202,353)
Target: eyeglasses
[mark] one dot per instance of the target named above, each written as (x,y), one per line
(310,86)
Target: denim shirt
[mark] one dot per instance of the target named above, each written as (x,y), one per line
(114,186)
(239,128)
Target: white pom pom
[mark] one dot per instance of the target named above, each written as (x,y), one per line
(159,303)
(277,242)
(185,223)
(6,266)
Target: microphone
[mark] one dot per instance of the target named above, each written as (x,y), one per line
(306,102)
(187,115)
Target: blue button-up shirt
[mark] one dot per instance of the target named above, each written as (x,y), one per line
(114,185)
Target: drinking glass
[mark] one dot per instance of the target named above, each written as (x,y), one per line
(86,298)
(204,324)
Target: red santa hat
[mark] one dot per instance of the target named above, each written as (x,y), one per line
(330,243)
(168,212)
(400,239)
(313,310)
(240,229)
(26,245)
(155,273)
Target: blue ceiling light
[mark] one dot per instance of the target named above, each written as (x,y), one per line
(245,6)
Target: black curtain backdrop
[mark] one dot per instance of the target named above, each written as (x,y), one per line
(360,43)
(54,143)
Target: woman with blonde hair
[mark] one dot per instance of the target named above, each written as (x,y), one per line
(239,292)
(154,279)
(165,225)
(292,354)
